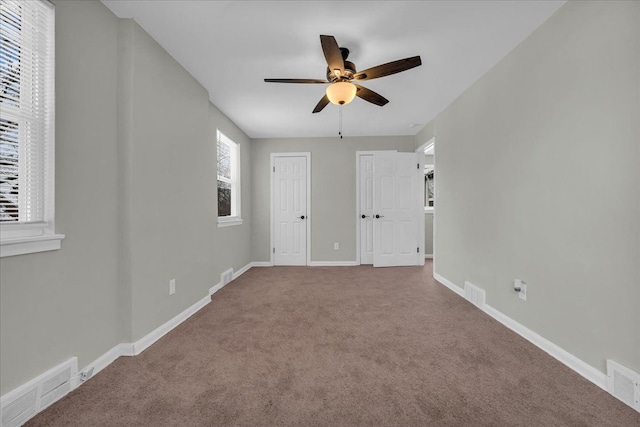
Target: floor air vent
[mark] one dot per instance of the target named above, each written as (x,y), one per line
(226,276)
(624,384)
(474,294)
(21,404)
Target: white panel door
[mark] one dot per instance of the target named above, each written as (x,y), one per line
(290,210)
(366,209)
(396,209)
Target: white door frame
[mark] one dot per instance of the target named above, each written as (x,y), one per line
(272,199)
(420,149)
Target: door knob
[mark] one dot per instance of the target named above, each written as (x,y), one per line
(379,216)
(301,217)
(365,216)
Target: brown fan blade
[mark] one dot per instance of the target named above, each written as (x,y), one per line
(332,53)
(370,96)
(388,68)
(295,81)
(323,103)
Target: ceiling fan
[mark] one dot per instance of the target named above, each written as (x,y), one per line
(342,73)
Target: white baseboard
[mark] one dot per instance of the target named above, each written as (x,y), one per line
(581,367)
(243,270)
(24,402)
(143,343)
(568,359)
(457,289)
(428,256)
(333,263)
(215,288)
(261,264)
(107,359)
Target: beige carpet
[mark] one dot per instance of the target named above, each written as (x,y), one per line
(339,346)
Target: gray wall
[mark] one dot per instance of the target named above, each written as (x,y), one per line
(552,131)
(170,188)
(135,197)
(55,305)
(168,142)
(333,190)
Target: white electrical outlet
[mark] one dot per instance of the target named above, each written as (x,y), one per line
(523,292)
(521,288)
(336,246)
(172,286)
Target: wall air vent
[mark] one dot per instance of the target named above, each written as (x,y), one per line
(21,404)
(226,276)
(475,295)
(624,384)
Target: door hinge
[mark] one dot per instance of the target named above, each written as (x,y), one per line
(418,249)
(274,168)
(274,250)
(418,165)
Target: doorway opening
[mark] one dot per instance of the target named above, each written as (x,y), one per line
(430,196)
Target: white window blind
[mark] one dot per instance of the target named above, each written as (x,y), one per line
(26,112)
(27,104)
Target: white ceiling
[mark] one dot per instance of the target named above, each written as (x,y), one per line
(231,46)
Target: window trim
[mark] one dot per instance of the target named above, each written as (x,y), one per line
(236,193)
(25,238)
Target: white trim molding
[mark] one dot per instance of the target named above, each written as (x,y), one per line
(457,289)
(560,354)
(143,343)
(333,263)
(243,270)
(229,221)
(428,256)
(215,288)
(23,403)
(28,245)
(261,264)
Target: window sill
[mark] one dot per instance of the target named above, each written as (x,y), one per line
(229,221)
(29,245)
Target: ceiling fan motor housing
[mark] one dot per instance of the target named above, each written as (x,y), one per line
(349,71)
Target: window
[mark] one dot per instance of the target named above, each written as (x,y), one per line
(26,127)
(228,182)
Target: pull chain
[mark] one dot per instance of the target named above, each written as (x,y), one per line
(340,122)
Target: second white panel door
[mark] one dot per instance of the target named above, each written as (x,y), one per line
(396,208)
(290,210)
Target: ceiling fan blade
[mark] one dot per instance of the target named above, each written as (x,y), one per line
(295,81)
(388,68)
(332,53)
(323,103)
(370,96)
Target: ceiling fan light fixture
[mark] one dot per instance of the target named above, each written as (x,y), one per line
(341,93)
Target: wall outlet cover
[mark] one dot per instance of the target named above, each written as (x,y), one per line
(523,292)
